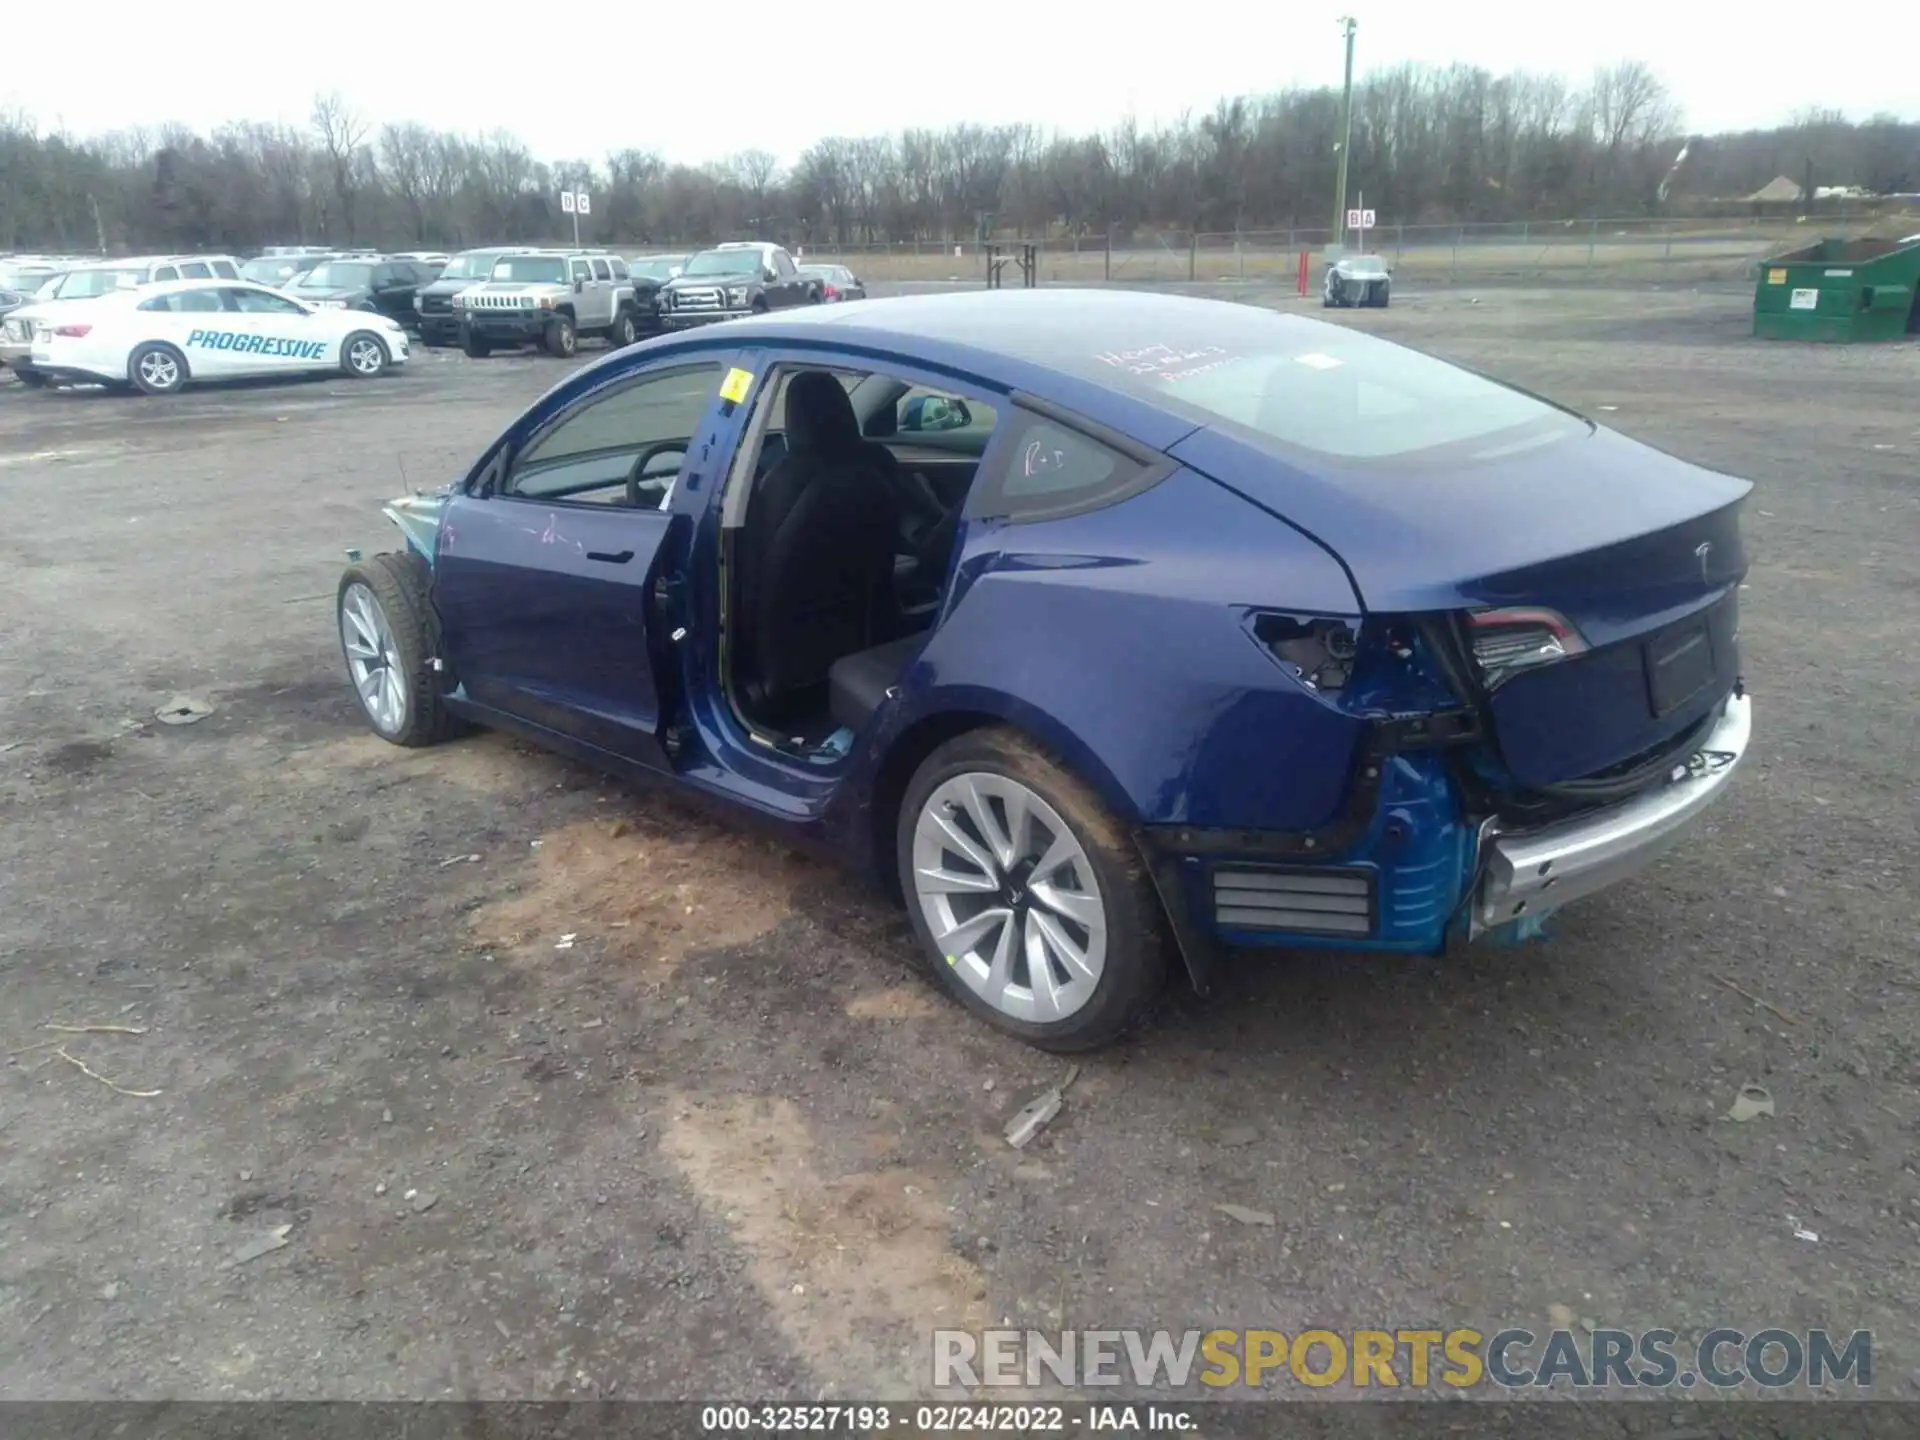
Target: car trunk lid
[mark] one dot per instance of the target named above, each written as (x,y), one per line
(1637,551)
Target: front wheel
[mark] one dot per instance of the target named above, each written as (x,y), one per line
(1026,894)
(561,338)
(389,637)
(477,347)
(364,355)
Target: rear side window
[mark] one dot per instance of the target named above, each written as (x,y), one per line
(225,270)
(1040,468)
(195,270)
(600,270)
(619,268)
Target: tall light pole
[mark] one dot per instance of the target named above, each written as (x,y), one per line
(1347,25)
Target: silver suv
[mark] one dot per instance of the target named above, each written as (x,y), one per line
(552,296)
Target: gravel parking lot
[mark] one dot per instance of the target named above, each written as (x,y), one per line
(728,1143)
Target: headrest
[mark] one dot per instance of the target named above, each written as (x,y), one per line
(819,415)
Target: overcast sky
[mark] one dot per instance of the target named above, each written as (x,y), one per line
(746,74)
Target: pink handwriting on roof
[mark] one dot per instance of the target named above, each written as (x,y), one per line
(1162,362)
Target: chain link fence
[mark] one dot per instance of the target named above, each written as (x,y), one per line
(1552,252)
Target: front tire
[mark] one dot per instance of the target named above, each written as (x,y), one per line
(157,369)
(389,637)
(561,339)
(476,347)
(1026,894)
(364,355)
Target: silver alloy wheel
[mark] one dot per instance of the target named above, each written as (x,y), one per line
(159,369)
(365,356)
(1010,897)
(373,660)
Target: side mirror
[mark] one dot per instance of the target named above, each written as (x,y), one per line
(925,413)
(579,287)
(769,273)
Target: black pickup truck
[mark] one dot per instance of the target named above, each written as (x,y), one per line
(744,278)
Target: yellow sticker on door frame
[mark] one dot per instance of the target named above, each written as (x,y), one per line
(1776,277)
(734,388)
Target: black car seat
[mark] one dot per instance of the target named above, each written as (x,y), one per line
(817,552)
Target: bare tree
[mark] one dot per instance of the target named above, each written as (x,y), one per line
(341,133)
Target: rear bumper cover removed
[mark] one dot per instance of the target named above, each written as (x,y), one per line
(1536,871)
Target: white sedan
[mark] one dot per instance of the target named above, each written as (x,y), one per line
(159,337)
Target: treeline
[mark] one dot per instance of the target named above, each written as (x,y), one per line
(1429,145)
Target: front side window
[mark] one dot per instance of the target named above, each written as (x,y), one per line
(580,271)
(590,454)
(187,302)
(259,302)
(783,265)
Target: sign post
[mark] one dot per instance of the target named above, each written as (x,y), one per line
(576,204)
(1361,220)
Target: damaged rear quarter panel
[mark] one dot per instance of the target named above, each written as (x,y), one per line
(1118,638)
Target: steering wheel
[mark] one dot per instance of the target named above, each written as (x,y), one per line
(639,467)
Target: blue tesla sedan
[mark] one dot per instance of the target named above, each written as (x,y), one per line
(1110,631)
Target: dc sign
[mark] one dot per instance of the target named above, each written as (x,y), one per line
(577,202)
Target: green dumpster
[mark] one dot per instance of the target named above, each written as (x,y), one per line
(1839,290)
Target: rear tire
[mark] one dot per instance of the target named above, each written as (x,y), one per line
(157,369)
(624,331)
(561,339)
(389,636)
(1090,918)
(363,355)
(32,379)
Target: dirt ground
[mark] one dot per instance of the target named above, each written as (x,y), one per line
(384,1131)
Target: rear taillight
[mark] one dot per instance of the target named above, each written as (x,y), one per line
(1508,641)
(72,332)
(832,293)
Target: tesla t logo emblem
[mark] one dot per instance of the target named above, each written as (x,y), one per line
(1701,552)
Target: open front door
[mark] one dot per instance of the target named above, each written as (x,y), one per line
(545,587)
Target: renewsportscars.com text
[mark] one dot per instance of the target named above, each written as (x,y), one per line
(1417,1359)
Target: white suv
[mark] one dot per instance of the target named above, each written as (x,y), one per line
(84,282)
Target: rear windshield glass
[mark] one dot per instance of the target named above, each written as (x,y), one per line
(1338,394)
(1365,265)
(335,276)
(270,272)
(538,269)
(84,284)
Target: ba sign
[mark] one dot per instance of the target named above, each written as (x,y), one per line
(1360,219)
